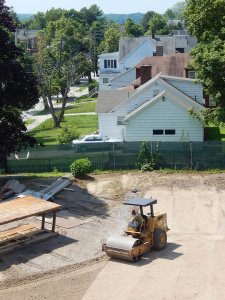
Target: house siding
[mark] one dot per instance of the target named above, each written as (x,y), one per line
(193,90)
(163,115)
(124,79)
(146,49)
(108,126)
(142,98)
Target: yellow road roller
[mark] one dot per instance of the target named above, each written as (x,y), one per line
(145,231)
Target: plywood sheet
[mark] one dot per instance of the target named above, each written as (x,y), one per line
(25,207)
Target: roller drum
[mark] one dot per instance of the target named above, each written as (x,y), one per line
(121,247)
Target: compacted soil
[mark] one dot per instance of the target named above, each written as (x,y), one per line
(72,265)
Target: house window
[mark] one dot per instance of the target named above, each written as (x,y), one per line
(157,131)
(170,131)
(191,74)
(180,50)
(105,80)
(110,64)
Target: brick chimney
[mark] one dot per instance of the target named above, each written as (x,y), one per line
(145,73)
(153,33)
(159,50)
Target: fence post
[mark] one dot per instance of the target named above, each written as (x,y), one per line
(36,163)
(191,157)
(114,158)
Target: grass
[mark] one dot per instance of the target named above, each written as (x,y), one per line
(81,108)
(46,133)
(29,121)
(85,99)
(81,105)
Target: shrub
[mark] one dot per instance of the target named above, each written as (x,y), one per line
(147,159)
(67,134)
(81,167)
(92,85)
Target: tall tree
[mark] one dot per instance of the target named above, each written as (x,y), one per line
(158,24)
(18,91)
(111,40)
(132,29)
(205,20)
(62,59)
(145,20)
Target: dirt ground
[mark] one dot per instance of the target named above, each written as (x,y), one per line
(73,266)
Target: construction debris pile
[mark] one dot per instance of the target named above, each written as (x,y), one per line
(11,188)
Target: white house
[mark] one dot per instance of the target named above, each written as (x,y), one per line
(131,52)
(157,111)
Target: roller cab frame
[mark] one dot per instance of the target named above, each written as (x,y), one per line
(151,233)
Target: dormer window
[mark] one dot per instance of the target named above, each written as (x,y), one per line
(110,64)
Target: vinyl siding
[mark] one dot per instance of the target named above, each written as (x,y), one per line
(163,115)
(124,79)
(193,90)
(140,99)
(146,49)
(108,126)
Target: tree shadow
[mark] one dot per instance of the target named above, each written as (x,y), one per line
(213,133)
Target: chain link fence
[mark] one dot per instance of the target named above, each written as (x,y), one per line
(109,156)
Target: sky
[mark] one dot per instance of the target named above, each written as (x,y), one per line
(107,6)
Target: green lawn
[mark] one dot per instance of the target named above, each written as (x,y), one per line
(29,121)
(81,108)
(214,133)
(85,99)
(46,134)
(87,105)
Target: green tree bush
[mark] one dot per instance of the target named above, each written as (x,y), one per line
(18,91)
(81,167)
(148,160)
(93,85)
(67,134)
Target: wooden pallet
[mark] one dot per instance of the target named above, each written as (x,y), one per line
(22,236)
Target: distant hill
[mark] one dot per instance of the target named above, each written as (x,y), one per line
(121,18)
(117,18)
(25,16)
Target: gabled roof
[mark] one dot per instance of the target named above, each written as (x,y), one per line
(110,101)
(173,64)
(135,49)
(122,74)
(144,105)
(128,44)
(174,97)
(107,100)
(176,92)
